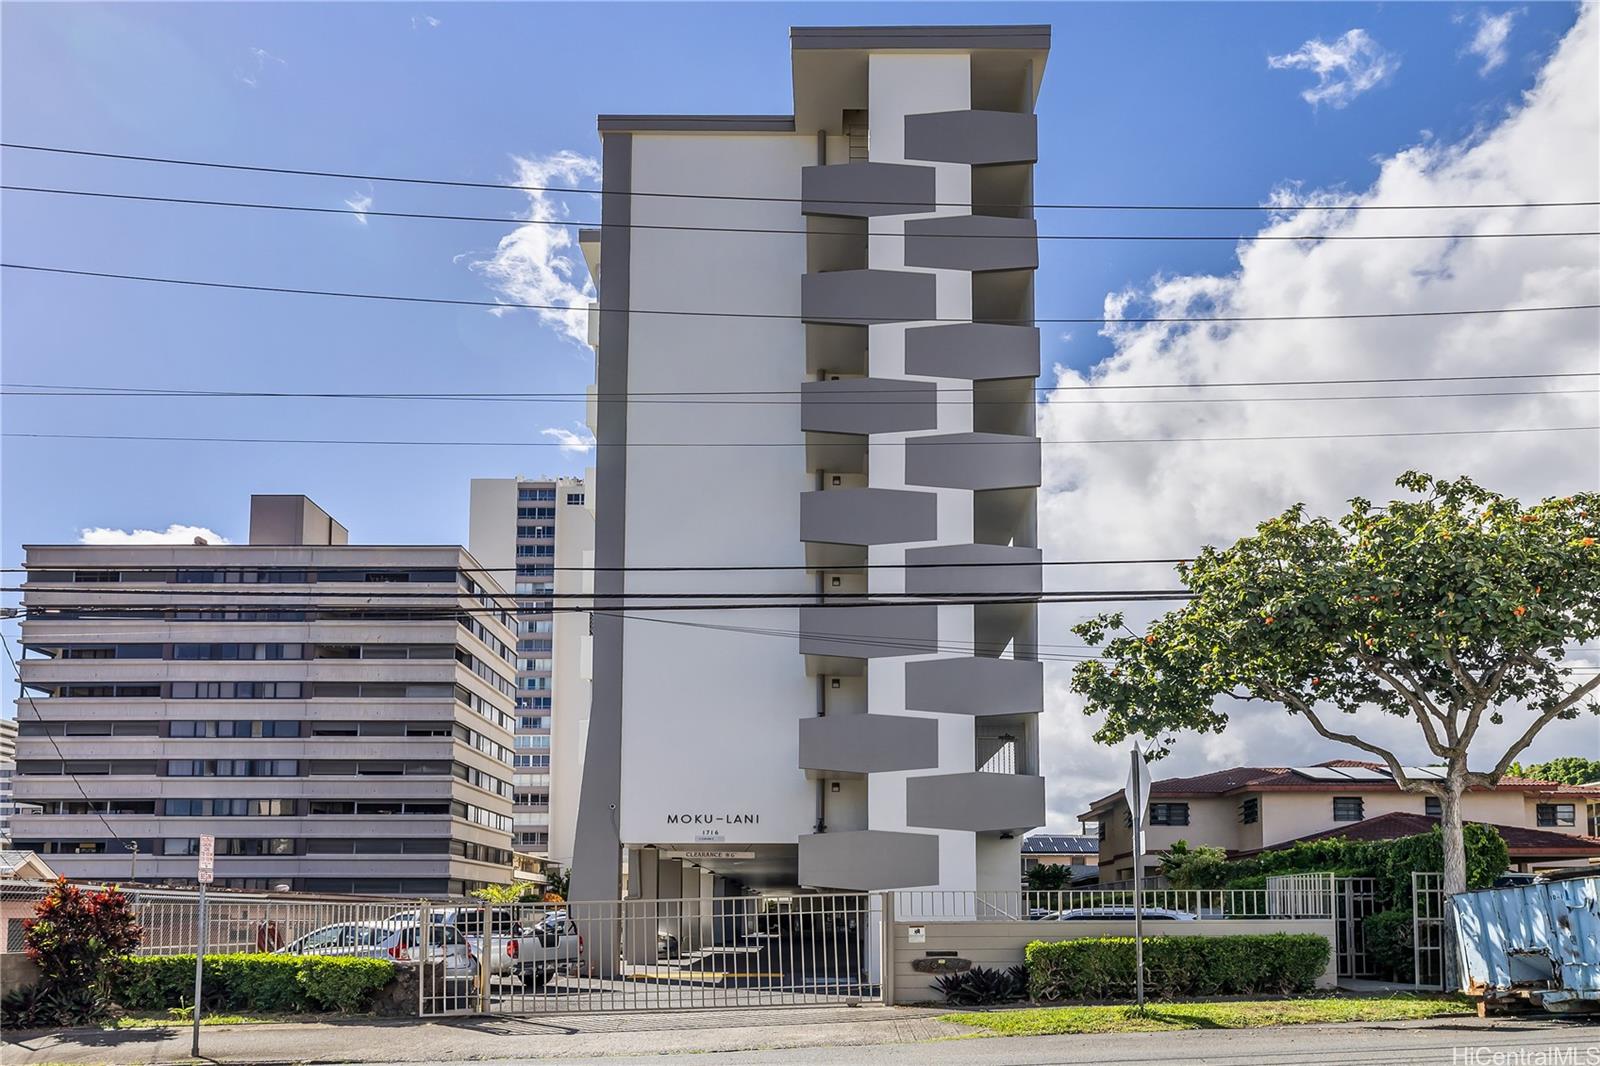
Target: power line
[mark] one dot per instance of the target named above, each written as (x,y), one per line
(517,223)
(94,390)
(1018,442)
(781,316)
(875,398)
(413,597)
(443,612)
(573,190)
(320,569)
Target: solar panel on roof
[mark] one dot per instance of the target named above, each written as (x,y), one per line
(1321,773)
(1431,772)
(1365,773)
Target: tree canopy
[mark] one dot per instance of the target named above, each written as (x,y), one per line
(1569,770)
(1445,610)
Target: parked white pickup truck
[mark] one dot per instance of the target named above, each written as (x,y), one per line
(551,946)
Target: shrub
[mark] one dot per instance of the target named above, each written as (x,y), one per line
(1192,867)
(1390,862)
(1103,967)
(1389,942)
(78,939)
(250,982)
(981,987)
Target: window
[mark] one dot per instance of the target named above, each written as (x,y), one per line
(1432,807)
(1347,808)
(536,495)
(1169,814)
(1250,810)
(536,512)
(1594,819)
(1553,814)
(574,499)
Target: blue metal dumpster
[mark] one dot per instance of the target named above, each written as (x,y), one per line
(1539,943)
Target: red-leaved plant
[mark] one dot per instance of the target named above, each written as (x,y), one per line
(78,938)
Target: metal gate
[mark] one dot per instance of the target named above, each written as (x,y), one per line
(1355,898)
(651,954)
(1427,930)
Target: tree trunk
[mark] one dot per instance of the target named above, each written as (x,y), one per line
(1454,846)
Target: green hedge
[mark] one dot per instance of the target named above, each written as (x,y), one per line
(1389,943)
(1390,862)
(1102,968)
(288,983)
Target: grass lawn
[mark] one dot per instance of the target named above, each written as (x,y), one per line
(1245,1014)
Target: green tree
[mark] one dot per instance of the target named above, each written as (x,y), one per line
(1569,770)
(1449,610)
(1196,867)
(511,893)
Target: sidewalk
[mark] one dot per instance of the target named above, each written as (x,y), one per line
(572,1036)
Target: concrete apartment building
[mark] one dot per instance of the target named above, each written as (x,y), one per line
(823,743)
(338,716)
(1246,809)
(536,535)
(8,769)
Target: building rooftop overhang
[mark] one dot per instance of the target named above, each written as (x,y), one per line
(696,124)
(830,65)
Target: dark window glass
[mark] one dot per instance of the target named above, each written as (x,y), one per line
(1169,814)
(1347,808)
(1555,814)
(1432,807)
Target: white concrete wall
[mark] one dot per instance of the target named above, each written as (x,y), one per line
(709,718)
(900,84)
(569,705)
(492,525)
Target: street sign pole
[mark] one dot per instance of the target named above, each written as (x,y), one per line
(208,853)
(1138,796)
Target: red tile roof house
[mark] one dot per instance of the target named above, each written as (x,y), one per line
(1247,809)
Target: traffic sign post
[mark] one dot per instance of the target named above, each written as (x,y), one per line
(1138,794)
(208,859)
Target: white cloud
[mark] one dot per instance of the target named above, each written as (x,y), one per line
(572,443)
(419,21)
(1345,68)
(536,264)
(1489,42)
(1162,500)
(176,533)
(250,73)
(360,203)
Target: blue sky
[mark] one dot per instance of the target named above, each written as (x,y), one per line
(1141,103)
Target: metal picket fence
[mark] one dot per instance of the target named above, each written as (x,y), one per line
(1307,899)
(653,954)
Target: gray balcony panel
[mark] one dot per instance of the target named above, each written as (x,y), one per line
(977,686)
(860,190)
(868,516)
(975,570)
(869,632)
(973,137)
(867,860)
(973,351)
(868,405)
(868,743)
(973,242)
(975,802)
(864,297)
(973,461)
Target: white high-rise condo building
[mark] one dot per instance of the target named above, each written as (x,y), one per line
(837,306)
(536,536)
(338,716)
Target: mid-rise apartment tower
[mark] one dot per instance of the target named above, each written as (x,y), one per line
(827,316)
(339,717)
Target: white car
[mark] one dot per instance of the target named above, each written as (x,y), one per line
(1118,914)
(396,939)
(546,948)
